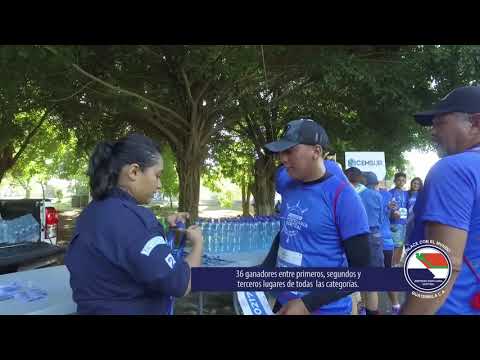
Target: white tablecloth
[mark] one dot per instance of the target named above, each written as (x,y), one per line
(54,280)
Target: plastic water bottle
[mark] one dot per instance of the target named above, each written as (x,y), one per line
(3,231)
(8,232)
(265,232)
(232,234)
(236,234)
(214,229)
(30,228)
(228,236)
(241,234)
(15,231)
(17,234)
(205,232)
(251,233)
(259,233)
(213,235)
(209,236)
(222,233)
(245,234)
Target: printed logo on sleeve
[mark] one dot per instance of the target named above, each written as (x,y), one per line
(170,260)
(427,268)
(151,244)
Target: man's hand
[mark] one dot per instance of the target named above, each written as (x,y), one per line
(181,216)
(396,215)
(294,307)
(392,205)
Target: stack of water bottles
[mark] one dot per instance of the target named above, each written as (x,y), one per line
(229,235)
(19,230)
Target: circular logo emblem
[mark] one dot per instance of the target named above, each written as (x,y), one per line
(427,268)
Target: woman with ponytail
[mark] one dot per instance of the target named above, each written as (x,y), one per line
(119,259)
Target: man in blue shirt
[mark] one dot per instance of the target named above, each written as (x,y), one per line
(372,183)
(372,202)
(399,216)
(323,221)
(448,208)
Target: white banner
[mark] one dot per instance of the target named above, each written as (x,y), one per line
(367,161)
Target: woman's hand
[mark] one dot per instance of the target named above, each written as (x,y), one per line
(194,235)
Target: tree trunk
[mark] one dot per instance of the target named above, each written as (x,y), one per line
(171,202)
(249,193)
(28,190)
(264,186)
(6,160)
(188,168)
(245,198)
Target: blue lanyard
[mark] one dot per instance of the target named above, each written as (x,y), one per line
(178,253)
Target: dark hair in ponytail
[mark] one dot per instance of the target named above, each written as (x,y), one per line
(108,158)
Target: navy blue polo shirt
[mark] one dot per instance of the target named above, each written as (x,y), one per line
(119,260)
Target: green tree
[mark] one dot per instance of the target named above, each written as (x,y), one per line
(232,158)
(52,153)
(182,94)
(25,106)
(169,176)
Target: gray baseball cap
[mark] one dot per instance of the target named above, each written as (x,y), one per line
(301,131)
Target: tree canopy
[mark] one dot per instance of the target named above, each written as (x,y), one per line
(217,106)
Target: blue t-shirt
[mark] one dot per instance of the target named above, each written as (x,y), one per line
(451,196)
(333,168)
(120,262)
(311,234)
(412,198)
(385,227)
(372,201)
(401,198)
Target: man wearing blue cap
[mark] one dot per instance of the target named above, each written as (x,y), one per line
(372,183)
(323,220)
(372,202)
(448,209)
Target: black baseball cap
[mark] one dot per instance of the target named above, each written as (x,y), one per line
(301,131)
(464,99)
